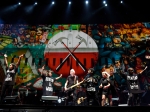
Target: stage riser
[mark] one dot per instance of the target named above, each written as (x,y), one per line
(100,109)
(23,110)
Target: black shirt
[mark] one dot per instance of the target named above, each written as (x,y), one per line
(10,76)
(72,80)
(47,85)
(91,82)
(133,83)
(104,82)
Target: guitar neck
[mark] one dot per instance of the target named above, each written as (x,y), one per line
(83,98)
(76,84)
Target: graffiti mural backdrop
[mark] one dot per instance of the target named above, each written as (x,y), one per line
(61,47)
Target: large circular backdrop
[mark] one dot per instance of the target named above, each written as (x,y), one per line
(71,49)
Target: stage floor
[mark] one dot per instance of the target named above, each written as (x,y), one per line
(47,108)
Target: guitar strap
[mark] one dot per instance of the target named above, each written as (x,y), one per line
(75,80)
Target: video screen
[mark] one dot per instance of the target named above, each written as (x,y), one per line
(75,64)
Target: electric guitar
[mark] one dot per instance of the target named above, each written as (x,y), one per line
(71,87)
(80,100)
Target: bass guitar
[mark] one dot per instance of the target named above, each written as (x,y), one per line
(71,87)
(80,100)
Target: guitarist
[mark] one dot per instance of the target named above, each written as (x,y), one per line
(71,80)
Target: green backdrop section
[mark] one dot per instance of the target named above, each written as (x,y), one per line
(22,38)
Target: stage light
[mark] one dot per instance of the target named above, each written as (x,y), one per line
(69,2)
(19,3)
(86,2)
(121,1)
(35,3)
(29,8)
(53,2)
(105,4)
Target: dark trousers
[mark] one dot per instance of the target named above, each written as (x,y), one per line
(6,90)
(134,99)
(71,97)
(92,98)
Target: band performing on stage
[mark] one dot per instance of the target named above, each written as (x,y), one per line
(92,90)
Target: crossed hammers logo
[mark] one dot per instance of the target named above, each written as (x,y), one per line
(70,52)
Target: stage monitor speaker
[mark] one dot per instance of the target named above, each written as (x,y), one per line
(49,100)
(11,100)
(123,105)
(115,101)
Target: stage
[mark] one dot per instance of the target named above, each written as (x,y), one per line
(50,104)
(41,108)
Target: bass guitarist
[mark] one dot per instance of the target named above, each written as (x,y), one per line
(71,80)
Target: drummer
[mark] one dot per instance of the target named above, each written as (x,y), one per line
(48,81)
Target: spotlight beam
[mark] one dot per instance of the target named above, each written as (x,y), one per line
(98,10)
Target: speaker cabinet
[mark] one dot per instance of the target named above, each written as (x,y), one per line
(11,100)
